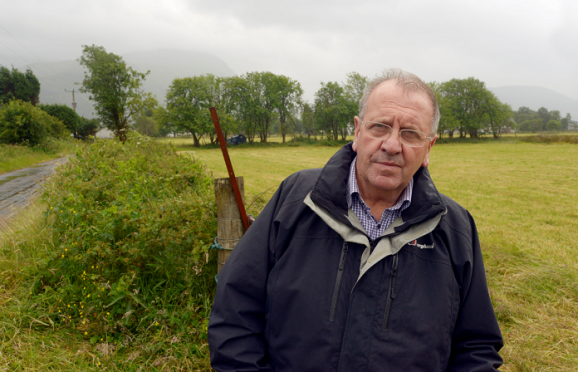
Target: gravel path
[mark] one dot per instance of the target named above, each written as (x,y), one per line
(18,187)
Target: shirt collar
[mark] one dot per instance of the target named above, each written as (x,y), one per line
(353,189)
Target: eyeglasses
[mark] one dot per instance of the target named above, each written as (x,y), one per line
(408,137)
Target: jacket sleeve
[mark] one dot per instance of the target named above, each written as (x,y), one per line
(477,338)
(237,320)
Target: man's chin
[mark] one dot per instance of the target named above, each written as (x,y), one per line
(386,183)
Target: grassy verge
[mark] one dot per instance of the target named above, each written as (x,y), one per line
(31,344)
(14,157)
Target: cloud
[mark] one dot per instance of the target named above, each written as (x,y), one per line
(507,42)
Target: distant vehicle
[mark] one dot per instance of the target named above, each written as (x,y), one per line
(237,140)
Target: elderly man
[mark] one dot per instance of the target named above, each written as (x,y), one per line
(362,265)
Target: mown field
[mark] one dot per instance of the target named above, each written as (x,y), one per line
(522,195)
(524,198)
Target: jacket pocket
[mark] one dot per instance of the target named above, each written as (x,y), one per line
(338,281)
(391,293)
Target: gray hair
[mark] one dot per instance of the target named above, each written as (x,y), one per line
(409,83)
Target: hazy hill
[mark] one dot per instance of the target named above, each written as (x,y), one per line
(536,97)
(164,65)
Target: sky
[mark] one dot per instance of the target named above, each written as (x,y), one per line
(505,42)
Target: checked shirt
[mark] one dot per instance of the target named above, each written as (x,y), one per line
(372,227)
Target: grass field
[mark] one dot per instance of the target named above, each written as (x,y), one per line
(523,196)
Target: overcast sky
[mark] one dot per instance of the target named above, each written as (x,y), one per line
(505,42)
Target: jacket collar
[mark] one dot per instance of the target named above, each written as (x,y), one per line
(330,192)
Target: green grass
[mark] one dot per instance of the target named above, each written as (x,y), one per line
(14,157)
(522,195)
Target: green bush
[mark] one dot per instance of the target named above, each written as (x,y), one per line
(133,225)
(87,127)
(69,118)
(22,123)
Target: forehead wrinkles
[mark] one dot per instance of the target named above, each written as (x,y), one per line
(392,98)
(411,112)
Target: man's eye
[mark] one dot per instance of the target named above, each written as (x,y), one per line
(379,126)
(411,135)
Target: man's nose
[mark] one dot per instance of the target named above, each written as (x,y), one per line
(392,145)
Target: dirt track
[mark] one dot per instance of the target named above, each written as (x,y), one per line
(17,188)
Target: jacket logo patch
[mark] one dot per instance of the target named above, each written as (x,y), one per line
(421,246)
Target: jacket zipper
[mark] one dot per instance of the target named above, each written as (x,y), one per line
(391,293)
(338,282)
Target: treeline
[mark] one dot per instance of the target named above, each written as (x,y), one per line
(24,121)
(467,107)
(542,120)
(255,104)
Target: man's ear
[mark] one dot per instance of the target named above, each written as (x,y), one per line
(425,162)
(357,121)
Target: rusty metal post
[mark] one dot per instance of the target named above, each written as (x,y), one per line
(230,170)
(230,226)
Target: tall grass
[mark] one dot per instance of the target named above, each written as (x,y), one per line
(14,157)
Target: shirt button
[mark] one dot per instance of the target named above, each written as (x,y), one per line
(378,226)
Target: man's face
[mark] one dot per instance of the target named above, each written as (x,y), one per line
(385,167)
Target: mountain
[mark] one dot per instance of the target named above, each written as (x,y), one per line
(164,65)
(535,97)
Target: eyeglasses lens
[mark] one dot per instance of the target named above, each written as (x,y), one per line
(408,137)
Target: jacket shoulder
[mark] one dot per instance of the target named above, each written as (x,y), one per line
(298,185)
(457,219)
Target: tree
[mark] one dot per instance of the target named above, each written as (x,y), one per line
(287,94)
(114,87)
(65,114)
(87,127)
(500,115)
(253,102)
(22,123)
(17,85)
(333,111)
(531,125)
(448,122)
(355,86)
(565,121)
(188,102)
(308,120)
(147,125)
(471,105)
(554,125)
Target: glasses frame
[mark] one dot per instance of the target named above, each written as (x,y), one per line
(399,135)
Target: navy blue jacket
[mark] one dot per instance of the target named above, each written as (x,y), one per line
(306,290)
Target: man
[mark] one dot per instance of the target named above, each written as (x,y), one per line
(362,265)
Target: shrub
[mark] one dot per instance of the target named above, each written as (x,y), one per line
(87,127)
(22,123)
(133,225)
(69,118)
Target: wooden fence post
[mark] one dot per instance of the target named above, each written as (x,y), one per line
(229,224)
